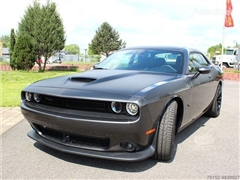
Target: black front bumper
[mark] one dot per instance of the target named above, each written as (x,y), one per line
(87,137)
(120,156)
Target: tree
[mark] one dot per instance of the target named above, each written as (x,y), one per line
(214,49)
(106,40)
(11,49)
(45,28)
(23,54)
(72,49)
(90,51)
(5,39)
(93,57)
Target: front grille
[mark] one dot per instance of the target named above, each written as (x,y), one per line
(73,140)
(79,104)
(86,105)
(52,101)
(97,106)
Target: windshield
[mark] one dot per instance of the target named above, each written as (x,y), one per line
(229,52)
(144,60)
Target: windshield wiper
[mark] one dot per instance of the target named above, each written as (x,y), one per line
(100,68)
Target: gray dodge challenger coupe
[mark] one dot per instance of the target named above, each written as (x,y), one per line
(129,107)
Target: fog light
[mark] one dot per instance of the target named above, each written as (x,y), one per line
(36,97)
(132,108)
(128,146)
(116,107)
(28,96)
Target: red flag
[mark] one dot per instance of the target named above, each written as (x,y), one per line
(228,17)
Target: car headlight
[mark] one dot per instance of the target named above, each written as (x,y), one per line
(132,108)
(36,97)
(116,107)
(28,96)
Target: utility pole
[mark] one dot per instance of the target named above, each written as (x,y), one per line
(85,54)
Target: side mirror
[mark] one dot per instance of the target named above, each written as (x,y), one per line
(202,70)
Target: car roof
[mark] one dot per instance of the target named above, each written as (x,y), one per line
(173,48)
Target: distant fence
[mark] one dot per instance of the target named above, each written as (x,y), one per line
(5,58)
(81,58)
(65,58)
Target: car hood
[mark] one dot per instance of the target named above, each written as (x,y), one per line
(105,81)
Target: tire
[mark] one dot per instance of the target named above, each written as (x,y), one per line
(166,133)
(215,108)
(225,65)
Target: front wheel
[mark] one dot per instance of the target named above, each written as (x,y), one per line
(166,133)
(215,108)
(225,65)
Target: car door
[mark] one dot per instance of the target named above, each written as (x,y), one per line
(200,92)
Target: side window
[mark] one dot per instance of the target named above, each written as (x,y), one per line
(195,61)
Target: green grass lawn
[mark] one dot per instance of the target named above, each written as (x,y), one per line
(12,83)
(231,70)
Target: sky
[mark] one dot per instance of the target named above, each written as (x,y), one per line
(189,23)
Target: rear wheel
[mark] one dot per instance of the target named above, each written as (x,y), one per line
(215,108)
(166,133)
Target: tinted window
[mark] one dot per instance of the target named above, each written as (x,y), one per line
(195,61)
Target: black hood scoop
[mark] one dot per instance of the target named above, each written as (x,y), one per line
(82,79)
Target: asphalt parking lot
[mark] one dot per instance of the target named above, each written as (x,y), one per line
(207,149)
